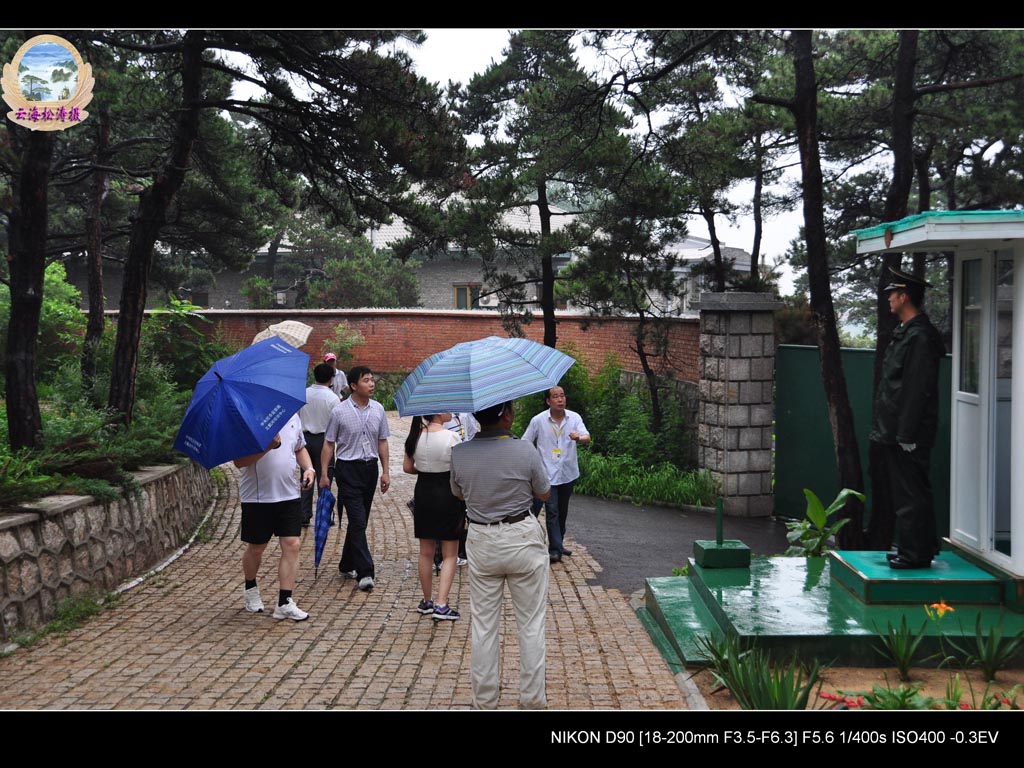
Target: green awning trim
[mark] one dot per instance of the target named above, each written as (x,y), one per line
(912,221)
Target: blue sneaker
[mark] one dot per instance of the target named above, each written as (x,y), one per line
(445,613)
(425,607)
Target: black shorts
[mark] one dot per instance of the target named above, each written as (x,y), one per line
(261,520)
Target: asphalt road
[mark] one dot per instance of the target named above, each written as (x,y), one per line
(633,543)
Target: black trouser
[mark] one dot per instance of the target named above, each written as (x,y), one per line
(314,444)
(357,482)
(913,503)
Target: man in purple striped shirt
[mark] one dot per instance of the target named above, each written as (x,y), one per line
(356,438)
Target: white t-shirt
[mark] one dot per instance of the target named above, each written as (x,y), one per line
(274,477)
(316,413)
(434,451)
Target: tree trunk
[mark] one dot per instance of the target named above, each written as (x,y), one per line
(755,249)
(27,229)
(840,415)
(94,255)
(708,212)
(149,218)
(882,523)
(547,270)
(652,380)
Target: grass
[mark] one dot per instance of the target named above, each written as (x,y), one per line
(72,612)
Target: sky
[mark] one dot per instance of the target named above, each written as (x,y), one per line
(458,54)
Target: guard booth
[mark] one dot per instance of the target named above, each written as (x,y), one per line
(986,483)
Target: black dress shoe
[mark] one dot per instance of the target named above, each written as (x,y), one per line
(567,552)
(555,558)
(899,564)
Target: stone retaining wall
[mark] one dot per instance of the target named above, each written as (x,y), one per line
(63,545)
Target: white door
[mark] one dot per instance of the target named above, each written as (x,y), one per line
(968,425)
(986,481)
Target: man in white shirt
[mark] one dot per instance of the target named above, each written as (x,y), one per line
(269,494)
(320,401)
(556,432)
(355,439)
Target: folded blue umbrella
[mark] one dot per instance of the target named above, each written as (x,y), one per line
(324,523)
(475,375)
(242,402)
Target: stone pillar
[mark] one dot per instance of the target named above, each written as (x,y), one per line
(736,409)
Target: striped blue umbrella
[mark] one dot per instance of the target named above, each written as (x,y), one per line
(478,374)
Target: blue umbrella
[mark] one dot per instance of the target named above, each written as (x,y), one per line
(324,523)
(242,402)
(478,374)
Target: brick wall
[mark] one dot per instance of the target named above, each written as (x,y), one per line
(397,340)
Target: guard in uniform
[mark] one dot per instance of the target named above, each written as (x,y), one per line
(906,415)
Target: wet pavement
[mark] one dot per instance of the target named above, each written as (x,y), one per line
(182,640)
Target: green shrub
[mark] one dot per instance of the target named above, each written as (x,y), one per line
(614,477)
(172,337)
(753,680)
(61,322)
(900,645)
(989,649)
(259,292)
(346,338)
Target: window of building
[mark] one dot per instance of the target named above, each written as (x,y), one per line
(466,296)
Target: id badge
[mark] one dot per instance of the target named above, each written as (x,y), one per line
(556,453)
(366,447)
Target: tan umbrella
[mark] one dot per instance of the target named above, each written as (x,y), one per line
(291,331)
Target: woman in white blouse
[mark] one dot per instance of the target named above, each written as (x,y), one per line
(437,514)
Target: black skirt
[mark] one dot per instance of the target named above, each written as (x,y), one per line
(437,513)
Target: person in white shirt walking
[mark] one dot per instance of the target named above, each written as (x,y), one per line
(271,507)
(315,414)
(556,432)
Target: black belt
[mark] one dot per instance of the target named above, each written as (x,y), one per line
(509,519)
(357,461)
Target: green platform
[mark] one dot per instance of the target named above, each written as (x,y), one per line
(951,578)
(791,604)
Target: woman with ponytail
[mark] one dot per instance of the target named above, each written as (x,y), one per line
(437,514)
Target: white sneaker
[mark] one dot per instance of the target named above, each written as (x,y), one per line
(253,603)
(348,574)
(461,561)
(290,611)
(366,583)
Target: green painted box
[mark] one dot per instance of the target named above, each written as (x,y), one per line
(731,553)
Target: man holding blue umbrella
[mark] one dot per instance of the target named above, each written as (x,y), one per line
(271,506)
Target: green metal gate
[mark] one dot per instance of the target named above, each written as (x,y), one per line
(804,451)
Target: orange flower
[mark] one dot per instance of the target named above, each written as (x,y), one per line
(938,610)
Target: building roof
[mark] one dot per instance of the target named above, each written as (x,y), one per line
(941,231)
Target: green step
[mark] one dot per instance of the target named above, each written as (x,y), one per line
(673,605)
(867,575)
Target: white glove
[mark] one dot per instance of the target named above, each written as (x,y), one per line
(908,447)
